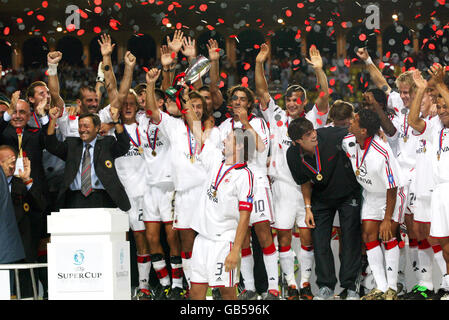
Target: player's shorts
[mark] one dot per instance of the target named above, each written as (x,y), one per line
(262,204)
(422,210)
(158,203)
(135,214)
(186,204)
(409,190)
(439,223)
(288,206)
(208,263)
(374,205)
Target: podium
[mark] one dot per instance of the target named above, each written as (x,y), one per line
(88,256)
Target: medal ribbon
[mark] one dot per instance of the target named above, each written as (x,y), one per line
(364,154)
(137,135)
(191,151)
(440,142)
(224,174)
(153,147)
(406,125)
(38,124)
(318,162)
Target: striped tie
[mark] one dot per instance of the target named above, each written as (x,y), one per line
(86,183)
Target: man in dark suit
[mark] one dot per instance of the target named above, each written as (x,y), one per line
(90,177)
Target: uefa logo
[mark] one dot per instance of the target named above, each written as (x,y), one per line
(78,257)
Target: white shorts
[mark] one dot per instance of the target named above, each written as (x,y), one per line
(422,210)
(135,214)
(409,190)
(186,204)
(207,263)
(439,223)
(262,204)
(288,206)
(374,205)
(158,204)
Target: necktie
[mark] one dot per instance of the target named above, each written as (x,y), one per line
(86,181)
(19,141)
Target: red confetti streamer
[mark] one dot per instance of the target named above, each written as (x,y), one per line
(210,27)
(97,29)
(40,17)
(203,7)
(71,27)
(277,96)
(44,4)
(223,75)
(333,68)
(118,5)
(362,37)
(19,20)
(220,20)
(332,82)
(165,21)
(246,66)
(179,25)
(98,10)
(431,46)
(30,13)
(80,32)
(288,13)
(97,2)
(6,31)
(300,5)
(296,62)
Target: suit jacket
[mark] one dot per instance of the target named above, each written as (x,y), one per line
(11,248)
(106,150)
(28,207)
(32,144)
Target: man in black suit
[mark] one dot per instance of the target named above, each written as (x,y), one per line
(90,177)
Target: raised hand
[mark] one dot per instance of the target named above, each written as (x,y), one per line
(362,53)
(315,58)
(25,174)
(437,72)
(166,56)
(152,75)
(214,50)
(175,44)
(263,53)
(188,48)
(115,114)
(54,112)
(54,57)
(419,80)
(12,106)
(106,45)
(130,59)
(40,109)
(8,165)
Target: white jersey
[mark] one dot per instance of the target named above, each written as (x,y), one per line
(185,173)
(438,136)
(258,161)
(131,167)
(219,207)
(423,182)
(156,151)
(375,166)
(279,121)
(405,140)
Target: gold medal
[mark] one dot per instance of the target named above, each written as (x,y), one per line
(357,172)
(140,150)
(424,149)
(319,177)
(26,207)
(214,193)
(153,153)
(405,139)
(438,157)
(108,164)
(192,159)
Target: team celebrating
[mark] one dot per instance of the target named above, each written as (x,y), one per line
(208,167)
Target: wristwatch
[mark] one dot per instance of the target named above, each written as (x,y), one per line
(308,206)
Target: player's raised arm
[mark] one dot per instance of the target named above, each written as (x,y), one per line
(53,59)
(322,101)
(214,74)
(414,120)
(106,48)
(375,74)
(260,80)
(150,105)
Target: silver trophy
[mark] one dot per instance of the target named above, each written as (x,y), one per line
(197,68)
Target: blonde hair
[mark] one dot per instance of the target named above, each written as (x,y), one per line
(407,79)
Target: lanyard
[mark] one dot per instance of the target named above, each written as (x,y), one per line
(357,171)
(218,179)
(440,144)
(153,146)
(137,145)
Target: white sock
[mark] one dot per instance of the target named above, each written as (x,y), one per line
(287,262)
(392,262)
(306,258)
(376,263)
(413,250)
(247,269)
(143,268)
(160,267)
(270,259)
(186,262)
(438,256)
(425,258)
(176,271)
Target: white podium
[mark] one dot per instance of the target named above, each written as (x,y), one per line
(88,257)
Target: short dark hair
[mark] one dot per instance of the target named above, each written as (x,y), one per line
(95,118)
(160,94)
(204,88)
(196,95)
(298,128)
(370,121)
(340,110)
(380,96)
(85,88)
